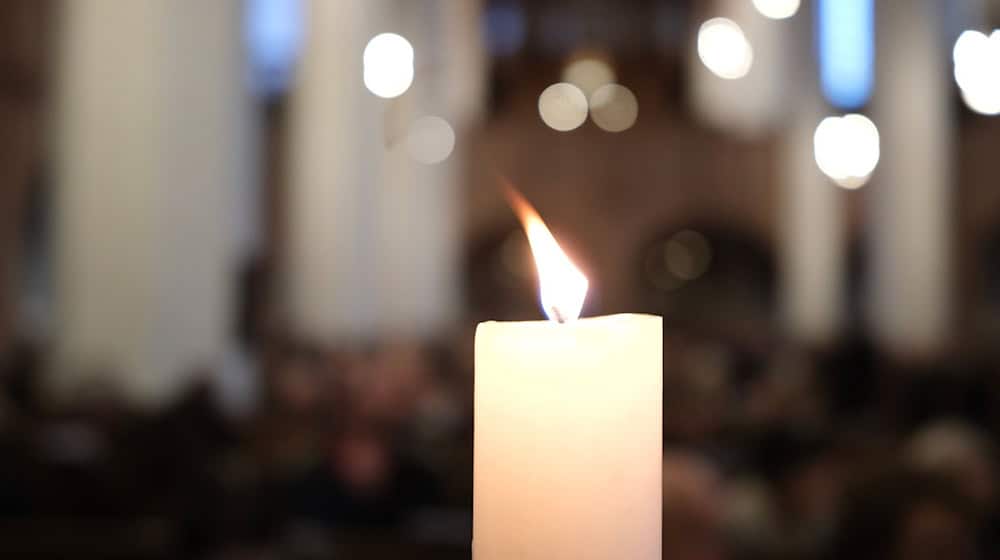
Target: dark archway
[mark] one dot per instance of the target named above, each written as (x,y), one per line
(709,278)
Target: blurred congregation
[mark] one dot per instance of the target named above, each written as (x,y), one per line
(245,244)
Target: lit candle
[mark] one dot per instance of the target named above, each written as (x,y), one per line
(568,423)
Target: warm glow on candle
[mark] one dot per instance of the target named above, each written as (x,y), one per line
(563,287)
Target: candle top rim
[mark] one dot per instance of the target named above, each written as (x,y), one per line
(541,323)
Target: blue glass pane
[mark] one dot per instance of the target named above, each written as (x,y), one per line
(504,28)
(846,43)
(274,40)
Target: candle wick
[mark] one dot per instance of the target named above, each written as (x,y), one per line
(559,317)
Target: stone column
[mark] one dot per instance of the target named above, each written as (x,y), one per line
(151,121)
(750,106)
(910,306)
(336,137)
(812,212)
(373,237)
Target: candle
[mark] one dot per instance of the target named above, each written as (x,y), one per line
(568,426)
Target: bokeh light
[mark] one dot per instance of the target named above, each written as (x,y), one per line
(977,70)
(388,65)
(562,106)
(430,140)
(614,108)
(681,258)
(688,254)
(724,49)
(984,102)
(847,149)
(588,73)
(972,54)
(515,256)
(777,9)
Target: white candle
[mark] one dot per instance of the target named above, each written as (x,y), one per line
(568,444)
(568,426)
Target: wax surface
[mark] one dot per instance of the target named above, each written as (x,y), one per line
(568,440)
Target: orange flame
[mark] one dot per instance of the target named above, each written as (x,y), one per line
(563,287)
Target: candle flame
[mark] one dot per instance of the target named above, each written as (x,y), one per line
(563,287)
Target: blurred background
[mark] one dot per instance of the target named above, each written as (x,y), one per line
(244,247)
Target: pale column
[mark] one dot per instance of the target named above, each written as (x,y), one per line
(374,243)
(151,148)
(336,129)
(812,237)
(749,106)
(910,218)
(414,201)
(462,62)
(419,239)
(812,210)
